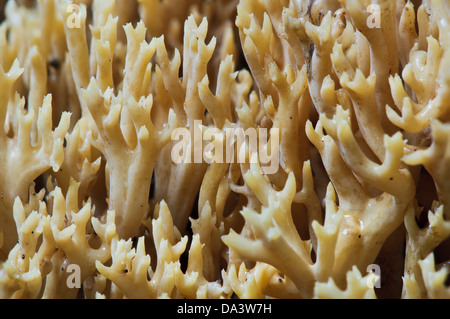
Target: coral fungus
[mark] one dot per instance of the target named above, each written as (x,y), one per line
(347,102)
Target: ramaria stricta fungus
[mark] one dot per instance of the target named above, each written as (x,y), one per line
(350,173)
